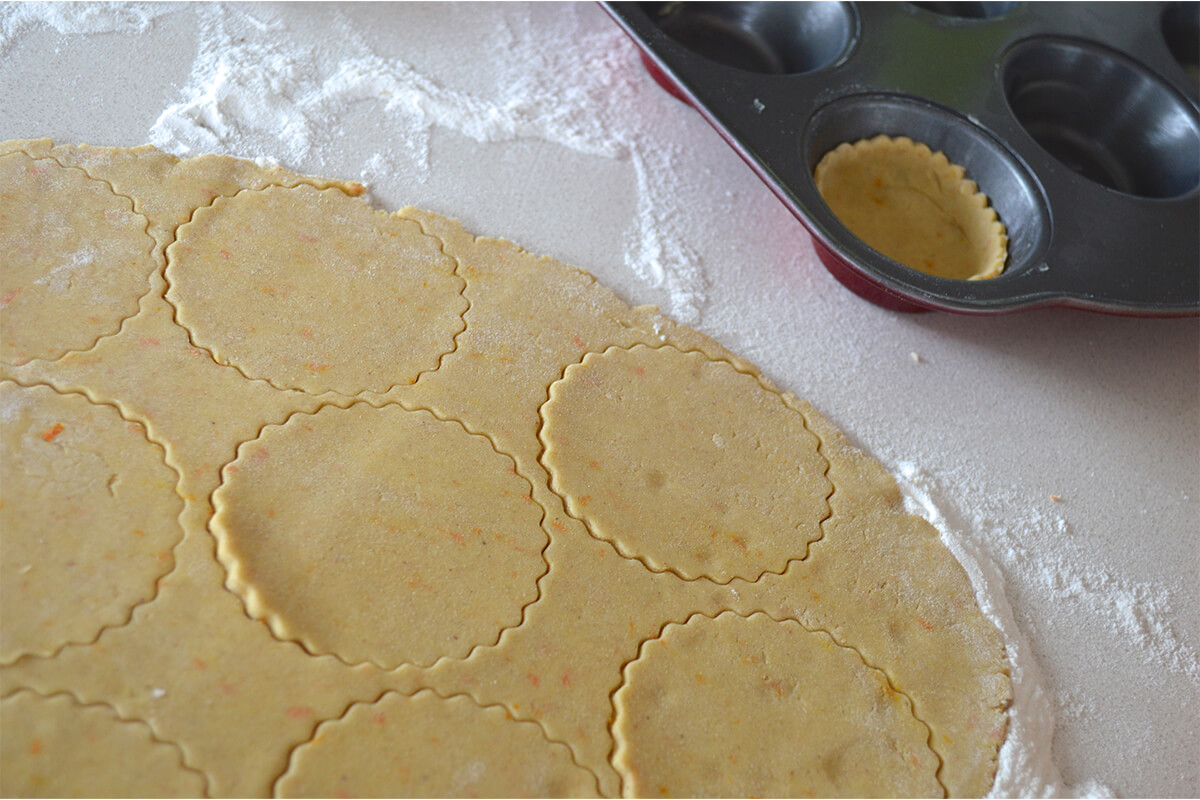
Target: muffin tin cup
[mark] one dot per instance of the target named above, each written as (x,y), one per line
(1078,121)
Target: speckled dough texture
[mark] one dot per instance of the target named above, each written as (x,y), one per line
(338,502)
(824,723)
(639,442)
(914,206)
(74,269)
(55,747)
(89,514)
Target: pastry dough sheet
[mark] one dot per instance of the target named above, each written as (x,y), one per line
(823,723)
(72,272)
(89,513)
(389,562)
(409,539)
(685,463)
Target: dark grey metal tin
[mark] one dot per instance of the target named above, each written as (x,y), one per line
(1079,121)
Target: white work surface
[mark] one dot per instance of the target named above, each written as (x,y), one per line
(539,124)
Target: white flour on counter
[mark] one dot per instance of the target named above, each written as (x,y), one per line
(16,18)
(1134,616)
(254,92)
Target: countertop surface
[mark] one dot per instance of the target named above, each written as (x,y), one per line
(1062,447)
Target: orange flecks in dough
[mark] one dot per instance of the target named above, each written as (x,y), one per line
(50,434)
(923,211)
(540,668)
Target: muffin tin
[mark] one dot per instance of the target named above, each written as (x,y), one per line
(1079,121)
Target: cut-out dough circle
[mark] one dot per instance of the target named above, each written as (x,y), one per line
(88,519)
(42,755)
(914,206)
(754,707)
(314,290)
(685,463)
(379,534)
(76,259)
(427,746)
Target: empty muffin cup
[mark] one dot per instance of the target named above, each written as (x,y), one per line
(764,38)
(1104,116)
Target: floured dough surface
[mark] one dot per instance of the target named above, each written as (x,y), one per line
(406,539)
(433,515)
(798,714)
(914,206)
(55,747)
(314,290)
(429,746)
(89,514)
(73,268)
(684,463)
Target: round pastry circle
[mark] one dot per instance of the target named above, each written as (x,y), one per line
(88,519)
(914,206)
(314,290)
(754,707)
(684,463)
(379,534)
(76,259)
(42,757)
(427,746)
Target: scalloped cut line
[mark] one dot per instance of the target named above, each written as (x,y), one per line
(586,612)
(913,206)
(72,278)
(313,290)
(804,699)
(42,757)
(413,745)
(367,553)
(73,581)
(697,470)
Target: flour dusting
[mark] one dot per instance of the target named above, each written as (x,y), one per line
(1134,616)
(255,92)
(16,18)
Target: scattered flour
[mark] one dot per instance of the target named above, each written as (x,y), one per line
(255,92)
(1137,616)
(62,278)
(17,17)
